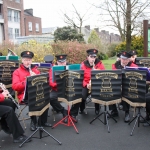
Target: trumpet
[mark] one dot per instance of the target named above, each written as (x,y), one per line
(9,95)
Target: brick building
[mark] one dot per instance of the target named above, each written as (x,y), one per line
(32,24)
(15,22)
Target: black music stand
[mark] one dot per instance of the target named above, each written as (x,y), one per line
(107,115)
(134,92)
(38,101)
(105,91)
(69,85)
(137,117)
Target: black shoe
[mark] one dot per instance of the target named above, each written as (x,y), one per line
(127,117)
(82,112)
(114,113)
(120,107)
(97,111)
(74,118)
(33,126)
(146,124)
(46,124)
(21,139)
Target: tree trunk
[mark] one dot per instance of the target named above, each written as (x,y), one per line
(128,28)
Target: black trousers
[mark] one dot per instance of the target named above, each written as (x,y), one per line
(9,119)
(43,118)
(85,94)
(58,107)
(148,103)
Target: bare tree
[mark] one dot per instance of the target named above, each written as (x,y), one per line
(124,15)
(72,22)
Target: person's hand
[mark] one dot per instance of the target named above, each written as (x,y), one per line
(5,93)
(89,86)
(32,73)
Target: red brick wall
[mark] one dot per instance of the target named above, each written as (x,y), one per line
(34,20)
(12,4)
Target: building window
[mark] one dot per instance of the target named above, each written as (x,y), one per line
(9,13)
(10,33)
(30,26)
(37,27)
(16,33)
(16,16)
(18,1)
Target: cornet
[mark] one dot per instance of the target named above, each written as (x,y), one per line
(30,71)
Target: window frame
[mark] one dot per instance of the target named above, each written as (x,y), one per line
(30,26)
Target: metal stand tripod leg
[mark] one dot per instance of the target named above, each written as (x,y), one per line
(40,129)
(70,121)
(137,117)
(106,115)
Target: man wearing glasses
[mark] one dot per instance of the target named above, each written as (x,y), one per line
(91,63)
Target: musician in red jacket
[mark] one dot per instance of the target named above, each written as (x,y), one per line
(133,57)
(61,61)
(91,63)
(122,63)
(19,81)
(9,122)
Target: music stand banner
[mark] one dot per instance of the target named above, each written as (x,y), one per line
(106,85)
(69,84)
(44,67)
(134,85)
(38,90)
(143,61)
(7,67)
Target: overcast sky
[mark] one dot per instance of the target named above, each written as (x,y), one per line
(51,12)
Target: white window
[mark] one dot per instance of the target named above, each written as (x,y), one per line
(18,1)
(10,33)
(16,33)
(16,16)
(30,26)
(9,14)
(37,27)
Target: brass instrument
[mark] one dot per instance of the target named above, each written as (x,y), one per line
(30,71)
(90,80)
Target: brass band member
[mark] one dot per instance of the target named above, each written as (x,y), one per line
(61,61)
(133,57)
(91,63)
(19,80)
(124,61)
(9,122)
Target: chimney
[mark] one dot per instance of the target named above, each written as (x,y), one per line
(96,29)
(29,11)
(87,27)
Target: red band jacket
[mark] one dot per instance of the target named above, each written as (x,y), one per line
(52,84)
(19,79)
(87,70)
(118,65)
